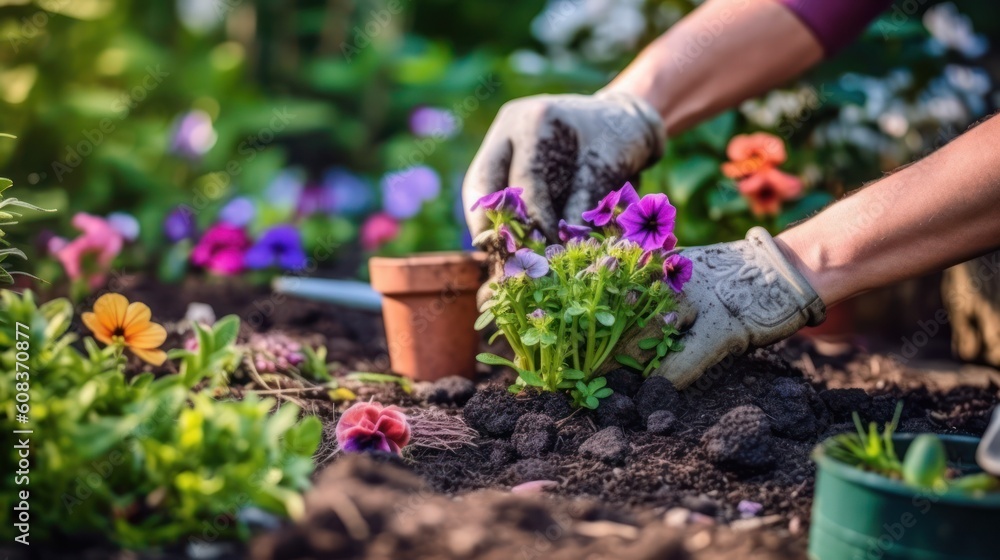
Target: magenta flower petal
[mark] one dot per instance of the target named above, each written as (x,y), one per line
(677,270)
(649,222)
(526,261)
(506,199)
(620,199)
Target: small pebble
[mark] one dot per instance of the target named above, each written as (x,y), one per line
(533,487)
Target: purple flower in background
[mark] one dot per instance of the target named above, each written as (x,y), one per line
(677,271)
(506,199)
(125,224)
(615,200)
(644,259)
(221,249)
(237,212)
(433,121)
(279,246)
(351,194)
(404,192)
(314,199)
(537,314)
(649,221)
(507,237)
(553,250)
(609,263)
(526,261)
(179,224)
(192,135)
(569,232)
(536,237)
(285,189)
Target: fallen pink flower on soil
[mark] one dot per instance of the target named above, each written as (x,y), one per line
(372,427)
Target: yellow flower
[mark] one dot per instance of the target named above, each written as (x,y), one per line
(116,321)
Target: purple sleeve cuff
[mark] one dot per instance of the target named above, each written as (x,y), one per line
(835,23)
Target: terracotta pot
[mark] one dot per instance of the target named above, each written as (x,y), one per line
(429,309)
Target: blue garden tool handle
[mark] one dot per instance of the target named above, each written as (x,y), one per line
(347,293)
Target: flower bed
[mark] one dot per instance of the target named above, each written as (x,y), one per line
(720,468)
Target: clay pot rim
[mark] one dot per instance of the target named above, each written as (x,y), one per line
(425,273)
(437,258)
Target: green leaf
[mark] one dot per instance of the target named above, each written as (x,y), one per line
(576,309)
(596,384)
(803,208)
(605,318)
(649,343)
(685,178)
(661,349)
(570,373)
(718,131)
(628,361)
(485,319)
(582,388)
(225,331)
(494,360)
(603,393)
(531,378)
(591,402)
(531,337)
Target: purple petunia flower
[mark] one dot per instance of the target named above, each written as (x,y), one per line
(620,199)
(179,224)
(192,135)
(669,318)
(351,195)
(607,262)
(507,237)
(503,200)
(526,261)
(649,221)
(677,271)
(432,121)
(537,314)
(569,232)
(279,246)
(669,243)
(644,259)
(553,250)
(404,192)
(237,212)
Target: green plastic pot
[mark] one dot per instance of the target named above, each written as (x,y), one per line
(862,515)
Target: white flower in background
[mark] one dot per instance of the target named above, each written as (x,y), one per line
(894,121)
(201,16)
(613,27)
(528,62)
(953,30)
(780,105)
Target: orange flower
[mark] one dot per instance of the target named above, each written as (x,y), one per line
(116,321)
(751,153)
(766,189)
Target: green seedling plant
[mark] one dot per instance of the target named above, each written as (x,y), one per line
(142,461)
(565,308)
(217,355)
(8,217)
(924,466)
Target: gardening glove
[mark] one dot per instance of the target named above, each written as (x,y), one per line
(565,151)
(741,294)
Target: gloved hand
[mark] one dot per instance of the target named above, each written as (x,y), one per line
(741,294)
(565,151)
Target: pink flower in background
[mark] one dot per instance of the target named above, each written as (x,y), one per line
(372,427)
(98,239)
(767,189)
(221,249)
(377,230)
(432,121)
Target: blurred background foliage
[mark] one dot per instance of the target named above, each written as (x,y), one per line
(309,109)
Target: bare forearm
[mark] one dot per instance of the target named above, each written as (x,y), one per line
(722,53)
(937,212)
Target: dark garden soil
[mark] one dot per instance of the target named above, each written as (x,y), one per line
(652,474)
